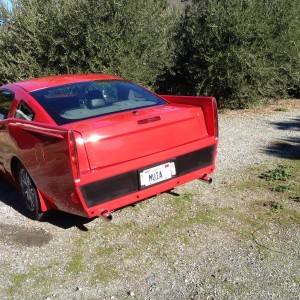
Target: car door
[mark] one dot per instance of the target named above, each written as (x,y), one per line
(6,99)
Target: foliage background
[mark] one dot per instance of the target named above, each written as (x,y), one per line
(41,37)
(237,50)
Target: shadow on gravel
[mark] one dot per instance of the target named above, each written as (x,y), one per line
(11,197)
(66,221)
(289,147)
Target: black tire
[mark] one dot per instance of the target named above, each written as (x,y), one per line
(30,197)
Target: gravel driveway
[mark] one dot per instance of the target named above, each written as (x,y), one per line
(218,241)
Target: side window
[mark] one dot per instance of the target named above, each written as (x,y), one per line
(24,112)
(6,98)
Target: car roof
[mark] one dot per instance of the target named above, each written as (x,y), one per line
(51,81)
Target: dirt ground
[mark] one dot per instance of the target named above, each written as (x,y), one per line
(238,238)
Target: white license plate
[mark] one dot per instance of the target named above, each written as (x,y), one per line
(157,174)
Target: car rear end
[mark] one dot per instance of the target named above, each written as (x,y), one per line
(128,144)
(132,156)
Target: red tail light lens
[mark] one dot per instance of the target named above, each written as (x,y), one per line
(216,118)
(74,156)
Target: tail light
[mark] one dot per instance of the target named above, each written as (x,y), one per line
(216,118)
(74,156)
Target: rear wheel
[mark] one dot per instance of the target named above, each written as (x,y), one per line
(30,198)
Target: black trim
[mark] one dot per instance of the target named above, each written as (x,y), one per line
(194,160)
(110,188)
(124,184)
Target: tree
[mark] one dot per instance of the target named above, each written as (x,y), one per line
(236,50)
(126,38)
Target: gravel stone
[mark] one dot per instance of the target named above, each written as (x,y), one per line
(202,249)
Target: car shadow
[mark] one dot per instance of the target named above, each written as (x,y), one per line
(10,196)
(289,147)
(66,221)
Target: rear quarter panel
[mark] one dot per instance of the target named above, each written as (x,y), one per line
(44,152)
(43,149)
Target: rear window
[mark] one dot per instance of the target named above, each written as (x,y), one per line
(84,100)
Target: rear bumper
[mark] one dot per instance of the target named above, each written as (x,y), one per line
(113,192)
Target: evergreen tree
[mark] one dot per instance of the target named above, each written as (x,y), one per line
(236,50)
(126,38)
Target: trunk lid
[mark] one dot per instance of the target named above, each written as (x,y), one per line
(129,135)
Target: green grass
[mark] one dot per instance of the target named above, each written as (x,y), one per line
(36,276)
(280,173)
(76,265)
(18,279)
(276,206)
(104,251)
(288,173)
(283,179)
(281,188)
(105,272)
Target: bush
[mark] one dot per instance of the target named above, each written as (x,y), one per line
(238,51)
(126,38)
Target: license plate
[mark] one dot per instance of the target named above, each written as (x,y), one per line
(157,174)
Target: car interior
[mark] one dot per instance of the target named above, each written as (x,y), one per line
(90,99)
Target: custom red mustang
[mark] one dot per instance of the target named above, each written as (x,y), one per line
(90,144)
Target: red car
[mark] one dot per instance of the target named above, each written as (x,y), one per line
(90,144)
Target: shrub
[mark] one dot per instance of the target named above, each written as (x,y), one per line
(126,38)
(238,51)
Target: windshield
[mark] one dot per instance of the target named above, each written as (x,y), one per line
(84,100)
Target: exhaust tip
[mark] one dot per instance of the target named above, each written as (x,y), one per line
(106,215)
(207,179)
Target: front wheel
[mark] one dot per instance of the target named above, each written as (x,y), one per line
(30,198)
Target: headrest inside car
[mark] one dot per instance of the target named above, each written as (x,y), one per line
(95,99)
(96,103)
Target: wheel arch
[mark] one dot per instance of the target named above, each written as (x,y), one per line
(15,162)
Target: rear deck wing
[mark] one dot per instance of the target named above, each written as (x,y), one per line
(208,105)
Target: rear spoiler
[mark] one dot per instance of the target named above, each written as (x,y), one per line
(208,105)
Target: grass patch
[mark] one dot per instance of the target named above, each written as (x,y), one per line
(241,222)
(276,206)
(289,173)
(280,173)
(37,277)
(76,264)
(281,188)
(182,201)
(105,272)
(18,279)
(104,251)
